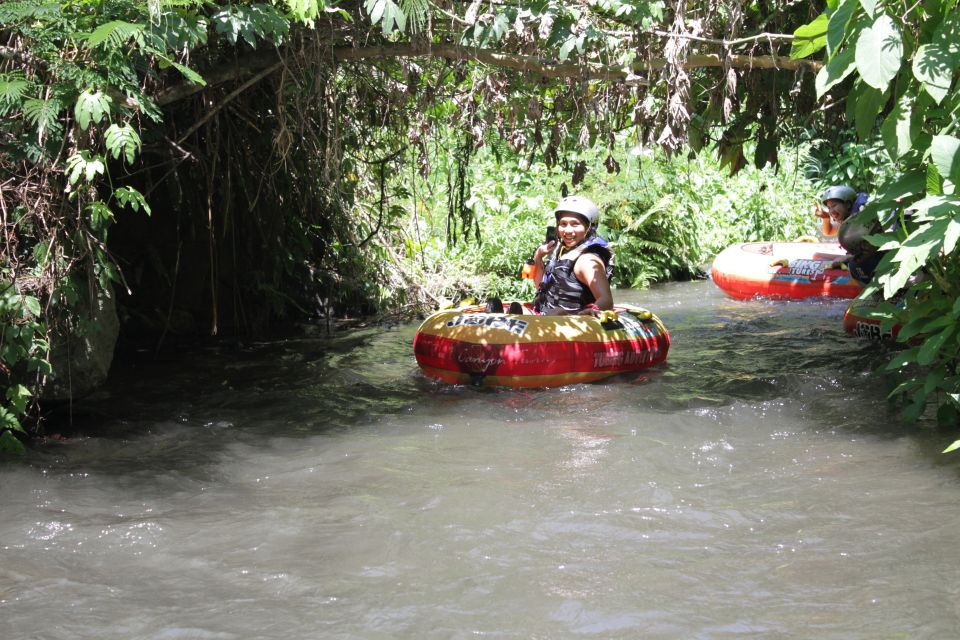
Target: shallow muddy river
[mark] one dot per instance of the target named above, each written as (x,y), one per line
(756,486)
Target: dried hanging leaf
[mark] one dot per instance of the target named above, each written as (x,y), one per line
(579,172)
(470,17)
(584,138)
(611,164)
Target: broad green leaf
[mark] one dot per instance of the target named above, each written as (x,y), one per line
(868,107)
(882,241)
(932,67)
(934,380)
(916,407)
(906,185)
(567,47)
(935,62)
(32,306)
(936,206)
(945,153)
(84,164)
(376,9)
(909,330)
(870,6)
(100,216)
(879,53)
(839,67)
(953,447)
(951,236)
(305,10)
(91,108)
(919,248)
(934,180)
(938,322)
(930,348)
(837,24)
(184,70)
(900,128)
(810,38)
(128,196)
(18,395)
(902,359)
(9,442)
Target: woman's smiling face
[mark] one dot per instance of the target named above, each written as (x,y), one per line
(571,229)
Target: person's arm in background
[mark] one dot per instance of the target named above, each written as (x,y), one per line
(827,226)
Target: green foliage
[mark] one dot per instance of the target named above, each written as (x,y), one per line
(665,217)
(73,105)
(91,108)
(116,33)
(86,165)
(912,57)
(251,22)
(842,159)
(13,88)
(387,14)
(23,347)
(122,141)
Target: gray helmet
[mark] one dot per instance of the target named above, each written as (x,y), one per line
(839,192)
(578,205)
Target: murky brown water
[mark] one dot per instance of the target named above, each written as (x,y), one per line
(756,487)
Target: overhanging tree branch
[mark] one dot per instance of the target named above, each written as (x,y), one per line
(546,68)
(534,65)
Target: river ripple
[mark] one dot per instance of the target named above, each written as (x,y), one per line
(756,486)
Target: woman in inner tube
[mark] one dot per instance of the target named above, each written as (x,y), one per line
(573,273)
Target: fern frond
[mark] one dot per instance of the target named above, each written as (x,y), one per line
(43,114)
(417,12)
(13,87)
(11,12)
(116,34)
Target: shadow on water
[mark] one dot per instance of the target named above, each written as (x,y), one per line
(184,407)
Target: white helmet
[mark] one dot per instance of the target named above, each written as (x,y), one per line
(839,192)
(578,205)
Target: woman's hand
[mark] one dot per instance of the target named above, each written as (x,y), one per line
(538,256)
(544,250)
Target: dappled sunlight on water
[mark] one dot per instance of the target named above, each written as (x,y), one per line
(755,485)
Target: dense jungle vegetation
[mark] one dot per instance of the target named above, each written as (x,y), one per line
(212,168)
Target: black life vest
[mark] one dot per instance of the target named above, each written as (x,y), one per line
(560,288)
(853,238)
